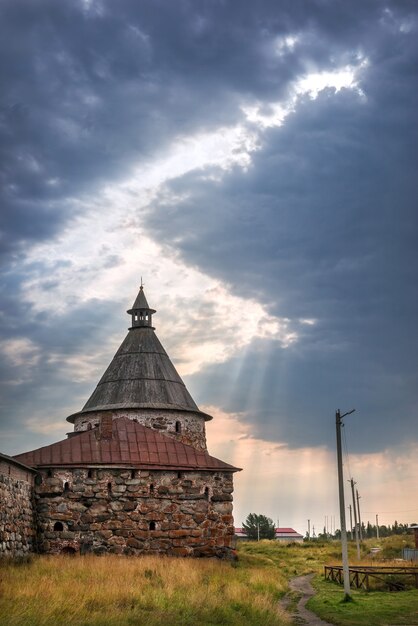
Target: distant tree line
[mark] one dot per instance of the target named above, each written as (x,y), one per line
(370,530)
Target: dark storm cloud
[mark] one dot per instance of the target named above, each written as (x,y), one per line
(47,362)
(90,89)
(323,225)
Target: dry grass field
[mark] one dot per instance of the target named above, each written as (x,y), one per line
(149,591)
(155,591)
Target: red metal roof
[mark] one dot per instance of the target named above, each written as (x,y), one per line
(131,444)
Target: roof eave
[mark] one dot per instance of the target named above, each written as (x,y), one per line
(144,405)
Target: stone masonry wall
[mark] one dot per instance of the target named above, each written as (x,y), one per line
(191,425)
(127,511)
(17,523)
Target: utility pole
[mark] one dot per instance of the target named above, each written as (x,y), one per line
(377,525)
(309,528)
(344,551)
(359,518)
(355,518)
(351,522)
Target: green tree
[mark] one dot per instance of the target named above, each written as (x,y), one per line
(259,526)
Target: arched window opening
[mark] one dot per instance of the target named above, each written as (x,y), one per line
(90,474)
(69,550)
(151,489)
(109,487)
(178,427)
(207,493)
(38,479)
(49,473)
(152,526)
(58,527)
(133,474)
(66,486)
(179,474)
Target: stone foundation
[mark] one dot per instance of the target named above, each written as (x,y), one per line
(17,522)
(187,427)
(126,511)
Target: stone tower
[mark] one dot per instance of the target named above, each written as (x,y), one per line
(142,384)
(135,476)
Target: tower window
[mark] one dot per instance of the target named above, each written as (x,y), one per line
(207,493)
(178,427)
(152,525)
(151,489)
(109,487)
(133,473)
(90,474)
(179,474)
(38,479)
(66,486)
(89,426)
(58,527)
(49,473)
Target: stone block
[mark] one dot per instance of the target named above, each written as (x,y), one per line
(116,505)
(133,543)
(179,551)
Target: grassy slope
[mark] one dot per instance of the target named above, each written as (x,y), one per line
(151,591)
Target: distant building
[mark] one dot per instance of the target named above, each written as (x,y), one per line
(286,535)
(133,477)
(240,534)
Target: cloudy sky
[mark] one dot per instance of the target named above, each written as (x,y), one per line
(256,164)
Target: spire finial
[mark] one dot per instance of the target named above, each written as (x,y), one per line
(142,284)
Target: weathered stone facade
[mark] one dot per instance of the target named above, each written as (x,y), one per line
(134,477)
(126,511)
(17,519)
(187,427)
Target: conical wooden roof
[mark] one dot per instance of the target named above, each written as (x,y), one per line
(140,375)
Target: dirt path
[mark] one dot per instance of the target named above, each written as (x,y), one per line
(302,586)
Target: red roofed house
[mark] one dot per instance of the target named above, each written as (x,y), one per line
(287,535)
(281,534)
(135,476)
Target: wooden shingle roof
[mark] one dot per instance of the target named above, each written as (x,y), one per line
(131,444)
(140,375)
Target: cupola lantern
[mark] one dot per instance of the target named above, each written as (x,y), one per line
(140,312)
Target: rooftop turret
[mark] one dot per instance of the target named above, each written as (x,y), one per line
(140,312)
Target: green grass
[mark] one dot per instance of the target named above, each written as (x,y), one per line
(155,591)
(368,609)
